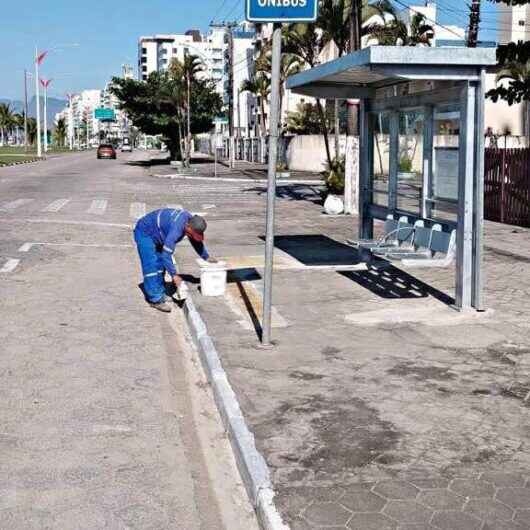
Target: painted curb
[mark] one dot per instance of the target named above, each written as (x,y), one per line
(281,182)
(19,163)
(250,462)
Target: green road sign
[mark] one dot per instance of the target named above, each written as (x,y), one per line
(222,120)
(104,114)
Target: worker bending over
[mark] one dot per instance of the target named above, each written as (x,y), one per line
(156,236)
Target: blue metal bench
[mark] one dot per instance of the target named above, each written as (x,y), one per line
(431,247)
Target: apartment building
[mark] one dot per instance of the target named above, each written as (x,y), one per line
(156,52)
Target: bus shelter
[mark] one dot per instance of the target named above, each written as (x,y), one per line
(421,126)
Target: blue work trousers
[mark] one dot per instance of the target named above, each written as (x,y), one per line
(152,267)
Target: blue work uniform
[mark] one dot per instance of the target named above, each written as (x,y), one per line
(156,236)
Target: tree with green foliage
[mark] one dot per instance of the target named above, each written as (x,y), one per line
(187,71)
(396,33)
(260,87)
(32,130)
(157,106)
(305,120)
(6,121)
(60,132)
(514,60)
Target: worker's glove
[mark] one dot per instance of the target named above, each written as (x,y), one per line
(177,280)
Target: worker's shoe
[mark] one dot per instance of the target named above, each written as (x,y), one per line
(163,306)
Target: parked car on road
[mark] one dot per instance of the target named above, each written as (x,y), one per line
(106,151)
(126,146)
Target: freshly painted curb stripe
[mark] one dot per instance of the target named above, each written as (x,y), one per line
(281,182)
(250,462)
(10,265)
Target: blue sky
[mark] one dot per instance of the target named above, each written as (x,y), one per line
(107,33)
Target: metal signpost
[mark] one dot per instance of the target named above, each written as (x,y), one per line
(218,139)
(275,11)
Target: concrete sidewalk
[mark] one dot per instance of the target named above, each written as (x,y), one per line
(203,165)
(380,407)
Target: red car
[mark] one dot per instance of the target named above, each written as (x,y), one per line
(106,151)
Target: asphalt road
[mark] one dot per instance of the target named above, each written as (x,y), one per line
(107,421)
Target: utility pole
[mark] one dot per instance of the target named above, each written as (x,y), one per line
(474,21)
(25,110)
(231,91)
(355,44)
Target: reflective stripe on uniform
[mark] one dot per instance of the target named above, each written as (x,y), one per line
(151,274)
(168,249)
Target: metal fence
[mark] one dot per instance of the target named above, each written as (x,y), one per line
(507,186)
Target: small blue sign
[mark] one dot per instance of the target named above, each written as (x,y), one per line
(282,10)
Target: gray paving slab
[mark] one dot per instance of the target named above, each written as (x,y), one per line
(426,412)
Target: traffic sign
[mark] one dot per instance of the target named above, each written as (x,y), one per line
(282,10)
(104,114)
(221,120)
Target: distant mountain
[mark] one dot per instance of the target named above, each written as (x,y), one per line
(55,105)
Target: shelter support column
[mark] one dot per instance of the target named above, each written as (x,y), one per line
(478,212)
(466,195)
(393,168)
(366,222)
(428,135)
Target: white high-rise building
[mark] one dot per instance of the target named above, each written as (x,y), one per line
(156,52)
(244,103)
(514,24)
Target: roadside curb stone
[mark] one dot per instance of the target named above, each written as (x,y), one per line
(250,462)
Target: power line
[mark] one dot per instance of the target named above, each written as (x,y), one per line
(237,3)
(429,19)
(219,10)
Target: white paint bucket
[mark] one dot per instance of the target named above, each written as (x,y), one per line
(213,278)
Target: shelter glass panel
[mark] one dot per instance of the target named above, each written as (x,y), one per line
(410,158)
(446,146)
(381,158)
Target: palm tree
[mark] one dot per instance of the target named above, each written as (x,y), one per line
(260,86)
(290,65)
(60,132)
(305,42)
(32,130)
(335,21)
(17,124)
(187,71)
(396,32)
(6,121)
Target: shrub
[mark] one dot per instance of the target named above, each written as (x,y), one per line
(335,175)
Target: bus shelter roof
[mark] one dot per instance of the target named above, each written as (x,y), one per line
(358,74)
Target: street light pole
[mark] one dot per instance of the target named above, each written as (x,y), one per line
(271,186)
(25,110)
(188,157)
(37,102)
(45,83)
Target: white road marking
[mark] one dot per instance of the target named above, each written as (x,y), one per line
(175,206)
(67,222)
(15,204)
(208,206)
(55,206)
(10,265)
(137,210)
(98,207)
(82,245)
(26,247)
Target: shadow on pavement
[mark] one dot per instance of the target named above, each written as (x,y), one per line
(294,192)
(395,283)
(313,249)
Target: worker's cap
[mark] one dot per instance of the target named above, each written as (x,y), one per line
(197,226)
